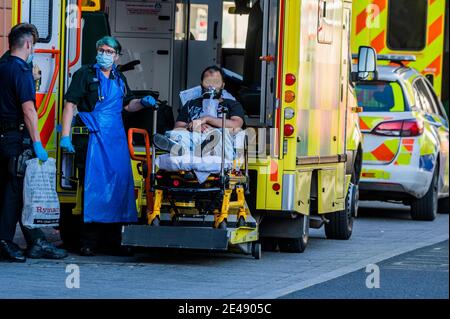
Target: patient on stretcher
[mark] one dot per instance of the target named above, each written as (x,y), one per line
(195,143)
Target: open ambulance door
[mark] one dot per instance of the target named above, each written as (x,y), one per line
(249,59)
(46,16)
(204,38)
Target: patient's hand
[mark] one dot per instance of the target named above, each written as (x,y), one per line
(197,125)
(206,128)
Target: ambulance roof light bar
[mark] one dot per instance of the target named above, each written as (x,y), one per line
(394,58)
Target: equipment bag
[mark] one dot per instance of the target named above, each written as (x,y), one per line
(40,200)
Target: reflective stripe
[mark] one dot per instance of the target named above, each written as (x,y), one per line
(375,173)
(385,152)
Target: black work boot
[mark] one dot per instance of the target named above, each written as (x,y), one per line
(43,249)
(11,252)
(87,251)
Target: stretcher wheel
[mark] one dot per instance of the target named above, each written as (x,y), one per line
(155,222)
(241,222)
(256,250)
(223,225)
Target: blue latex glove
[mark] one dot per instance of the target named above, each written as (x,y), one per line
(66,144)
(148,101)
(41,153)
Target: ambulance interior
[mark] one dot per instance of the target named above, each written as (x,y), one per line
(167,43)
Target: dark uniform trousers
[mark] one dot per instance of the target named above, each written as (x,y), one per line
(12,144)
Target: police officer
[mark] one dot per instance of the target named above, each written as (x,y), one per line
(19,133)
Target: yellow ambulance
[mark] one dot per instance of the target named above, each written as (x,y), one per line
(287,61)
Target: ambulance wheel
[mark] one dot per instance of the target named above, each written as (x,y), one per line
(425,208)
(443,205)
(269,244)
(256,250)
(296,245)
(69,227)
(340,224)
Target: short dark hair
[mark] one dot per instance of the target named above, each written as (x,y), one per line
(213,68)
(20,32)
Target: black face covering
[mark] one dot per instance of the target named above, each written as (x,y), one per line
(206,93)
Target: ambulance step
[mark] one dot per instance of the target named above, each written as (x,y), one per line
(175,237)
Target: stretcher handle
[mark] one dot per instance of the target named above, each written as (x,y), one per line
(135,157)
(155,109)
(146,158)
(222,164)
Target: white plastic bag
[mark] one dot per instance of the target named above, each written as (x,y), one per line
(40,200)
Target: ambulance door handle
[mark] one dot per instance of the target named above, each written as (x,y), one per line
(267,58)
(162,52)
(271,85)
(216,27)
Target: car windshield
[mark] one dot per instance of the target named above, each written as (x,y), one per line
(380,97)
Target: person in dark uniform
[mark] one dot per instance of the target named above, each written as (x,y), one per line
(19,133)
(99,93)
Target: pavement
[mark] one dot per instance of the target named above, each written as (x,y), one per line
(382,232)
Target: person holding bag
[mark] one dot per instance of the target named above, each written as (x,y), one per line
(19,141)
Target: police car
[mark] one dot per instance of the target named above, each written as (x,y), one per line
(406,139)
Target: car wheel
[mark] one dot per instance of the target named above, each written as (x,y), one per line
(425,208)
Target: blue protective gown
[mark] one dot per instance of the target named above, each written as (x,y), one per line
(109,185)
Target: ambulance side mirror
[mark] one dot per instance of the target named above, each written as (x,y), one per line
(367,65)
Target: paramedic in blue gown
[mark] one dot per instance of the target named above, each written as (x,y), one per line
(99,93)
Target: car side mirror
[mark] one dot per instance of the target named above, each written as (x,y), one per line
(367,65)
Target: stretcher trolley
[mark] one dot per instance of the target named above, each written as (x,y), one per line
(184,212)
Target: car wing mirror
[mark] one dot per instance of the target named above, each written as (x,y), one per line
(367,65)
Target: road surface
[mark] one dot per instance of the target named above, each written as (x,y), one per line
(382,232)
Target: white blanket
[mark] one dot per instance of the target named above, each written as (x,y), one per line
(207,161)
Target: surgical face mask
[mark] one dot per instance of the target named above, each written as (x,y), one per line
(30,58)
(104,60)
